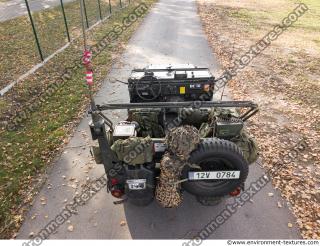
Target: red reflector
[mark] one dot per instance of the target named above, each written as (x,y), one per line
(235,192)
(114,181)
(117,193)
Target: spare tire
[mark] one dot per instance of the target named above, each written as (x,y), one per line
(215,155)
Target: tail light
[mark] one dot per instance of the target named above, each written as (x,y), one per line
(116,188)
(117,193)
(236,192)
(114,181)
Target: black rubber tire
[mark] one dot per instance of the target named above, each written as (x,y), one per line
(225,152)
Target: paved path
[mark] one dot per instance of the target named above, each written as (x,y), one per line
(15,8)
(171,33)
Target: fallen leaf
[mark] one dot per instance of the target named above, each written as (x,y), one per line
(123,223)
(279,205)
(290,225)
(270,194)
(70,228)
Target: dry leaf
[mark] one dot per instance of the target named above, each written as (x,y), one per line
(70,228)
(290,225)
(123,223)
(270,194)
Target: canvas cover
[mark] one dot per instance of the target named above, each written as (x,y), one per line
(134,151)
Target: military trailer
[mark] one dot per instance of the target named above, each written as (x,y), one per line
(176,138)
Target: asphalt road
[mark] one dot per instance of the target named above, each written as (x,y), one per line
(171,33)
(15,8)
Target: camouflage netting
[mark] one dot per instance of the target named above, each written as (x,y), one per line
(181,141)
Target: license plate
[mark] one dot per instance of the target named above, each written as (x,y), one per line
(159,147)
(136,184)
(214,175)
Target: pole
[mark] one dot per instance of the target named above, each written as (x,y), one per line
(110,7)
(82,22)
(120,4)
(99,6)
(65,20)
(87,57)
(34,31)
(85,12)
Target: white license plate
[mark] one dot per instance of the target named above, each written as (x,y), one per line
(160,147)
(136,184)
(214,175)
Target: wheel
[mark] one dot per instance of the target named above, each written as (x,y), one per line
(215,155)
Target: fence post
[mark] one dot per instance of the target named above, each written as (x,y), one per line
(120,4)
(110,7)
(99,6)
(34,31)
(65,20)
(85,13)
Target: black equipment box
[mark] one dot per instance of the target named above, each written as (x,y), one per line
(165,83)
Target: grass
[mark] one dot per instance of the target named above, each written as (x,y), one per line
(26,152)
(18,48)
(307,22)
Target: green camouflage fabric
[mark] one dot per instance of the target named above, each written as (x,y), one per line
(181,141)
(205,130)
(193,116)
(134,151)
(148,122)
(248,146)
(223,113)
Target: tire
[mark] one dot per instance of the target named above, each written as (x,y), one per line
(215,155)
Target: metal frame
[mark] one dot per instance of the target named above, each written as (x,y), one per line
(190,104)
(34,31)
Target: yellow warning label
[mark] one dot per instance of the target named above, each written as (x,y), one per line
(182,90)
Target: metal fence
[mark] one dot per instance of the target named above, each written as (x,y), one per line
(94,11)
(45,29)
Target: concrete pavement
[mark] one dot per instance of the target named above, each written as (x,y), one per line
(15,8)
